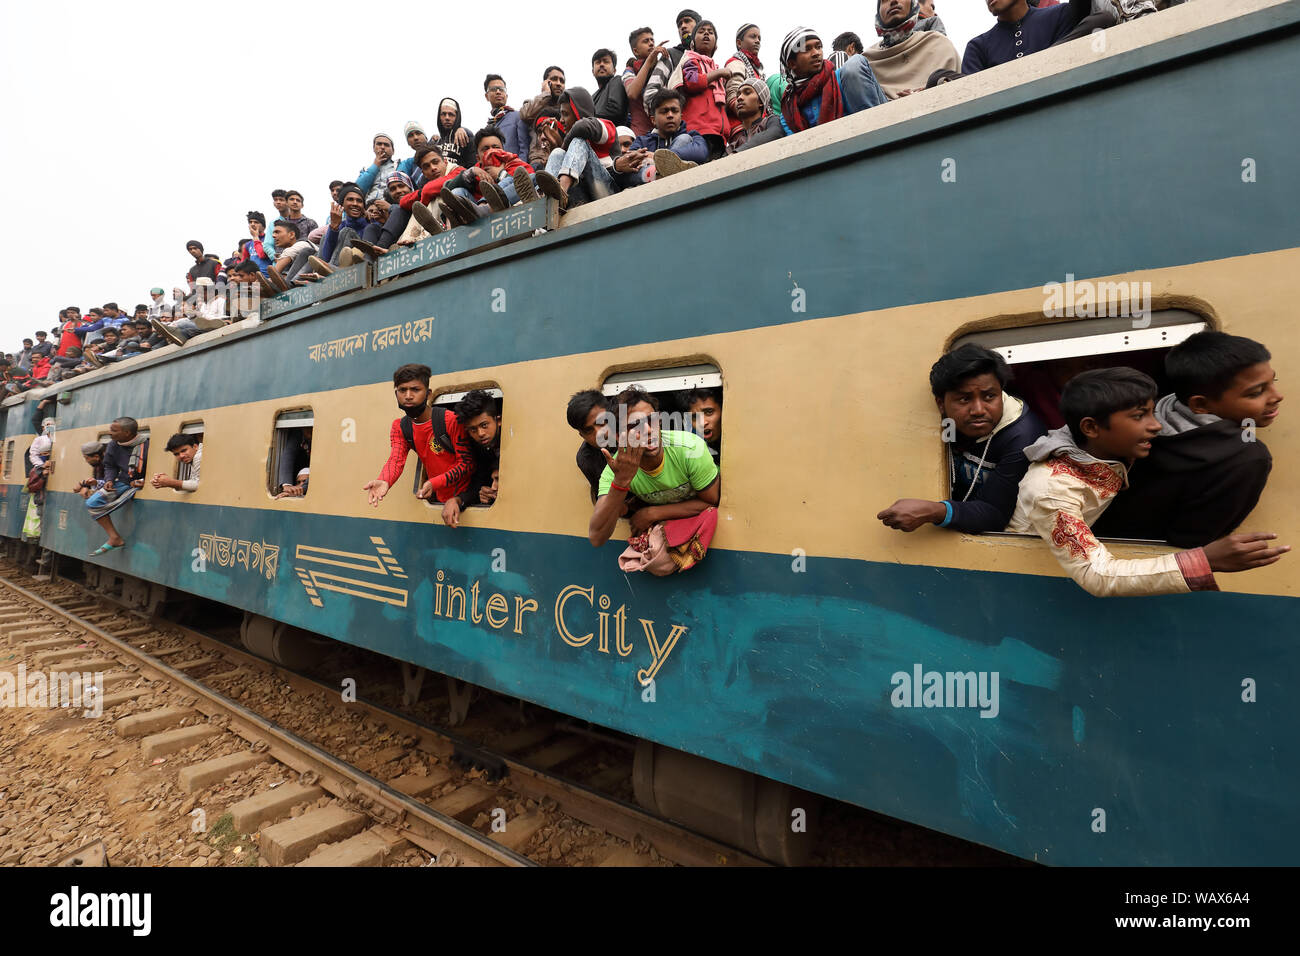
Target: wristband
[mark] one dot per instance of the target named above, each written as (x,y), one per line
(947,506)
(615,486)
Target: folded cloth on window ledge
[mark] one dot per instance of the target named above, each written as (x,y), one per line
(671,546)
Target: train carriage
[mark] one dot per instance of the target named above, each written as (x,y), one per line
(1119,731)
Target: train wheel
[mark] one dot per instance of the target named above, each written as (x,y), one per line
(763,817)
(282,643)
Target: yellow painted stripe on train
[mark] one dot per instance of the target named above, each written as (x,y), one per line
(828,421)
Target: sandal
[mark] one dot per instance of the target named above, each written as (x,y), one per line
(107,547)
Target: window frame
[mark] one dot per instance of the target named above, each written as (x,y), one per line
(187,428)
(449,397)
(303,416)
(1167,328)
(671,377)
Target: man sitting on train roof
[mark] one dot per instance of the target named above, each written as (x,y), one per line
(817,93)
(125,457)
(1075,474)
(905,57)
(190,455)
(427,215)
(496,182)
(437,437)
(668,148)
(1206,469)
(347,222)
(203,265)
(671,471)
(1024,27)
(985,431)
(477,414)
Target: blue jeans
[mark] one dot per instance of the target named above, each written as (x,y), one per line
(581,162)
(859,86)
(506,184)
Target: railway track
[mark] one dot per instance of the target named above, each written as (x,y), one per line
(338,780)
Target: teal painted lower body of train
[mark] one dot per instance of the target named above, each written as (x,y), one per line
(1151,731)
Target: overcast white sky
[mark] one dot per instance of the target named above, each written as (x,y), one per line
(130,128)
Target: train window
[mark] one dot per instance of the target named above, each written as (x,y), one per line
(288,468)
(689,396)
(183,471)
(1044,357)
(9,458)
(448,401)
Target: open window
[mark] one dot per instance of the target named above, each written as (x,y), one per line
(448,401)
(1044,357)
(690,399)
(184,471)
(289,466)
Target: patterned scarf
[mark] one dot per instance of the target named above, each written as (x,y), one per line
(801,92)
(752,64)
(892,35)
(750,61)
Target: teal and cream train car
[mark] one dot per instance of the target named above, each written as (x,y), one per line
(816,279)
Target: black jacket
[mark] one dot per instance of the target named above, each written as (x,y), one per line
(611,101)
(1192,489)
(997,482)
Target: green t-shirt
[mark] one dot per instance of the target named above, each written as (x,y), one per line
(687,469)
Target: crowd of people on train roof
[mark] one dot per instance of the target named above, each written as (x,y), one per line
(674,106)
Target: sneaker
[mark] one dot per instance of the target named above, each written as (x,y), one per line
(319,266)
(493,196)
(460,210)
(349,257)
(425,217)
(170,334)
(524,185)
(667,163)
(368,248)
(277,280)
(549,187)
(207,325)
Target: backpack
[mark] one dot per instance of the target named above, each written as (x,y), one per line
(439,423)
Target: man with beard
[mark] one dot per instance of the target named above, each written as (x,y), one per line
(548,102)
(455,142)
(505,118)
(374,177)
(610,96)
(437,437)
(904,58)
